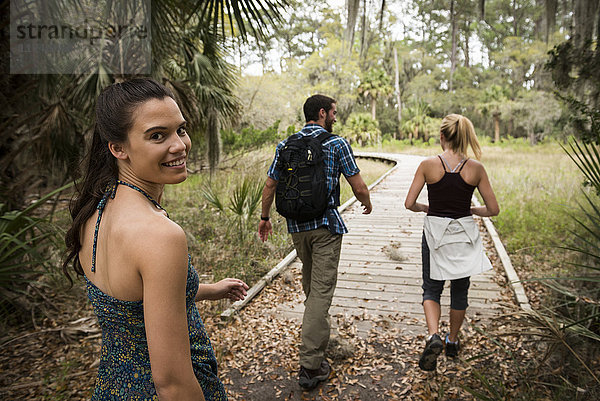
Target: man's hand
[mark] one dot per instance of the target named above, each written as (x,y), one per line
(264,230)
(361,191)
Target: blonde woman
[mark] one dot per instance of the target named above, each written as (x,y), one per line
(451,245)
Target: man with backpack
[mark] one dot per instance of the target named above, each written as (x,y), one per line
(304,179)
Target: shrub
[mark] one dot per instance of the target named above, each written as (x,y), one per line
(360,128)
(250,138)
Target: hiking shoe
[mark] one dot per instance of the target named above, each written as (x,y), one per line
(433,348)
(452,348)
(310,378)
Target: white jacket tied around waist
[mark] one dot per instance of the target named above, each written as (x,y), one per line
(455,248)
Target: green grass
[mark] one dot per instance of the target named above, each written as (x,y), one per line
(535,187)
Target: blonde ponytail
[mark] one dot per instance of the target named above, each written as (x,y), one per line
(460,134)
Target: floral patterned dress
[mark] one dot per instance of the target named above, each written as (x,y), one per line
(124,372)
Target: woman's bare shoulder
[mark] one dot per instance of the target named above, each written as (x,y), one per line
(475,163)
(476,166)
(430,160)
(152,233)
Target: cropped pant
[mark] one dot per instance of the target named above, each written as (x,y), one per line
(432,289)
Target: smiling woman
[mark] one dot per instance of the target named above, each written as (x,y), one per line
(134,258)
(157,147)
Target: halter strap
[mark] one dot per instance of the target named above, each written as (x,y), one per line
(452,170)
(111,191)
(443,163)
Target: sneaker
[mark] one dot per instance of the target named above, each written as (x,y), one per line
(310,378)
(452,348)
(433,348)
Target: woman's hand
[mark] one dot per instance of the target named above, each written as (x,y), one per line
(230,288)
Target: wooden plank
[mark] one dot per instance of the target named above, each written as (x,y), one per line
(374,288)
(256,288)
(404,281)
(354,308)
(392,274)
(416,318)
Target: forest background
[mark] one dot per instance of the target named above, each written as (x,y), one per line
(526,72)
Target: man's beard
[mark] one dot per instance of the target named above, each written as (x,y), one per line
(328,125)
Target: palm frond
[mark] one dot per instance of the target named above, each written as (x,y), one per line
(212,197)
(255,15)
(587,159)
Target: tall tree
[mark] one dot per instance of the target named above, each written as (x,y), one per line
(364,31)
(551,8)
(494,97)
(453,45)
(584,16)
(374,85)
(397,88)
(352,7)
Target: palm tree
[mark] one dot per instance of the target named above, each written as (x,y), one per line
(360,128)
(47,117)
(416,118)
(495,96)
(375,84)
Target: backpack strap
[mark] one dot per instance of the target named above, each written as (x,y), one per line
(323,136)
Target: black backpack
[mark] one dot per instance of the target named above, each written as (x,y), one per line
(301,192)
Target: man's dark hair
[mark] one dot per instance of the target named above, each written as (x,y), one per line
(315,103)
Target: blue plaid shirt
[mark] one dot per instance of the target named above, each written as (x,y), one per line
(339,159)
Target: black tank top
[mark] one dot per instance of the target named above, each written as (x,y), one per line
(450,196)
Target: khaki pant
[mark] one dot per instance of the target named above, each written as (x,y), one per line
(319,251)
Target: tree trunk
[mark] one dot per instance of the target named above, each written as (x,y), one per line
(397,86)
(415,134)
(453,54)
(515,21)
(496,127)
(352,7)
(373,108)
(467,35)
(381,14)
(363,36)
(539,23)
(531,134)
(584,17)
(213,136)
(550,13)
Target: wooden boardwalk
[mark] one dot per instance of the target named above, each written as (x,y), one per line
(380,265)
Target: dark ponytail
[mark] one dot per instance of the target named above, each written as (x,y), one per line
(114,110)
